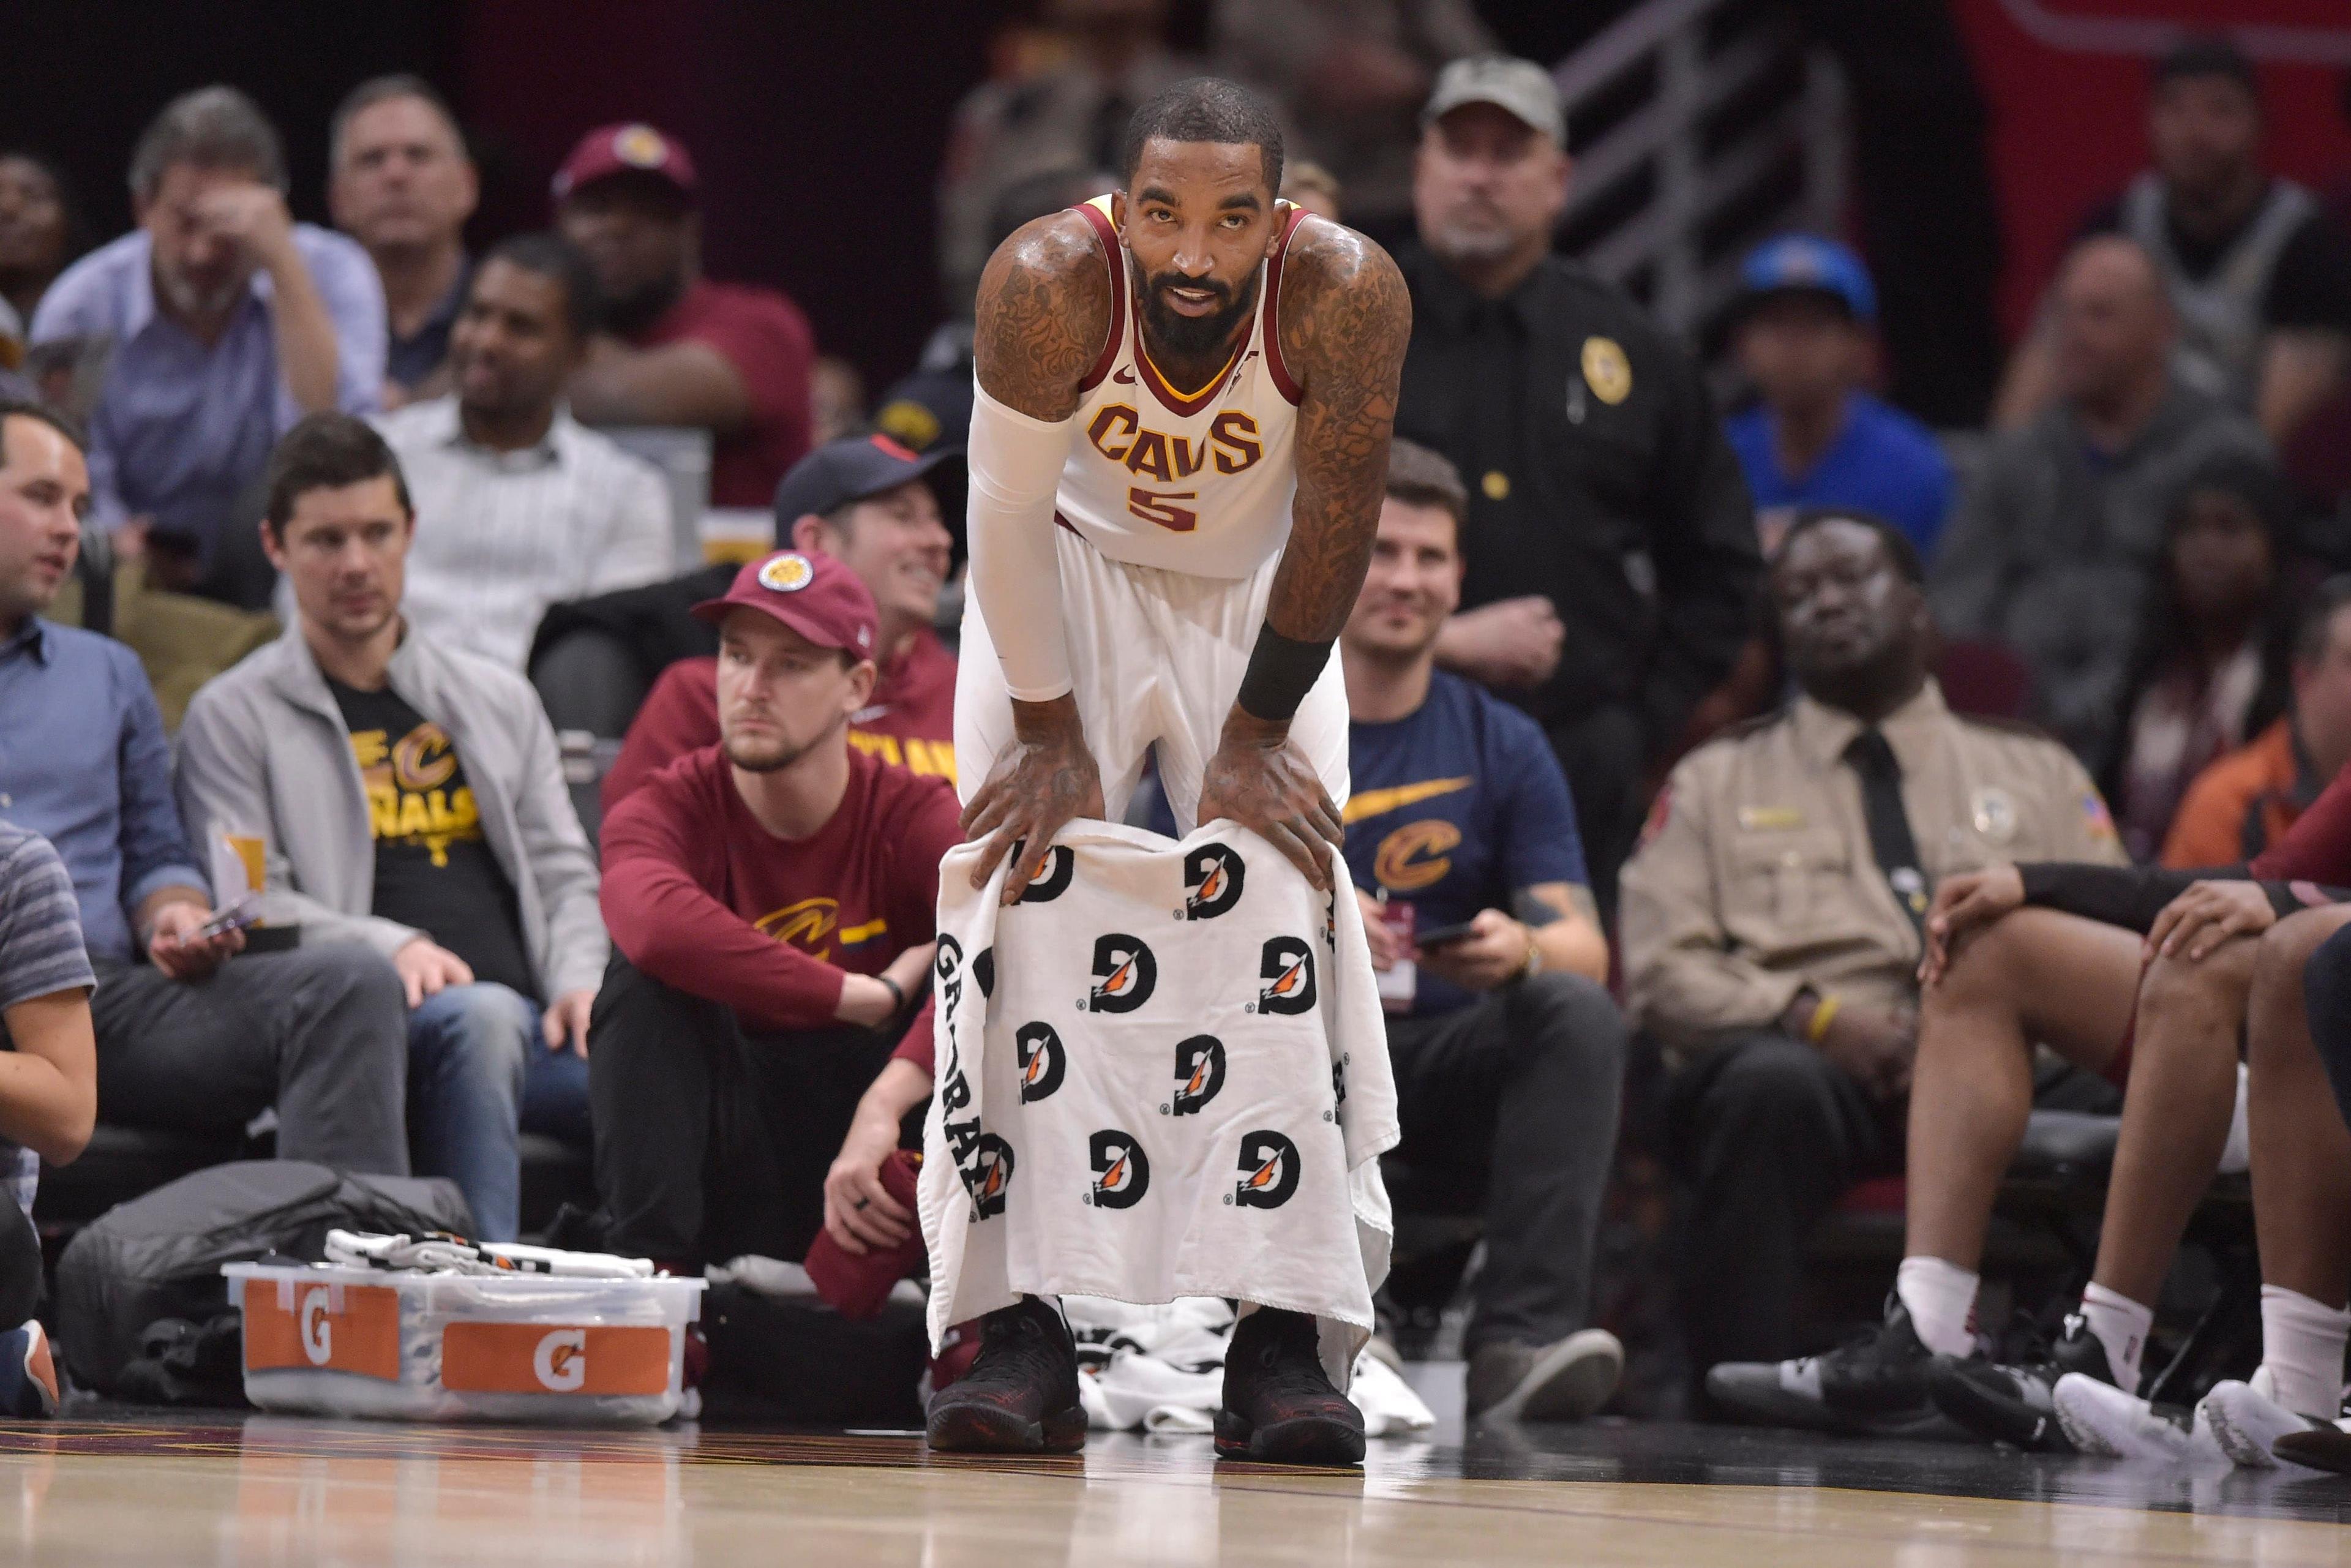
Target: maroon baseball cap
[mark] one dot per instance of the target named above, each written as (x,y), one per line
(631,149)
(814,595)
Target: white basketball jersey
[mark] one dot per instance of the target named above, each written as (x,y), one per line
(1198,483)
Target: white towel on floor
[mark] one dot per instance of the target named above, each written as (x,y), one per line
(1162,1074)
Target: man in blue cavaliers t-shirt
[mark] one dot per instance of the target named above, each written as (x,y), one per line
(1509,1054)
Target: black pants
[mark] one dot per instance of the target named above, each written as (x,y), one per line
(1604,755)
(20,1266)
(2326,991)
(1771,1132)
(1517,1094)
(711,1142)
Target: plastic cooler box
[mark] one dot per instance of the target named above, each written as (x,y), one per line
(330,1341)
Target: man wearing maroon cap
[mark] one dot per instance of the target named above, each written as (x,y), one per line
(864,501)
(679,348)
(770,900)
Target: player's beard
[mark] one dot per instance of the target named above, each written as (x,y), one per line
(1178,336)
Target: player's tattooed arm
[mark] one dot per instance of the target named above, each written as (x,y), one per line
(1044,312)
(1345,318)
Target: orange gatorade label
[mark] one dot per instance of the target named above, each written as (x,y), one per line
(331,1328)
(549,1358)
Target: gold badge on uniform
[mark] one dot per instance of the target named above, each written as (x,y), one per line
(1995,814)
(1495,484)
(1607,370)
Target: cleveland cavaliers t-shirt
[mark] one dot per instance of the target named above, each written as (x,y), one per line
(433,868)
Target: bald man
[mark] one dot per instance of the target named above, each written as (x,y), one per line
(2055,547)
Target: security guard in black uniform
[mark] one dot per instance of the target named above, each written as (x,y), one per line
(1613,566)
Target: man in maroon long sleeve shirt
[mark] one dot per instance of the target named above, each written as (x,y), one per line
(770,901)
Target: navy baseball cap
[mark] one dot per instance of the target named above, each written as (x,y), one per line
(1808,264)
(846,470)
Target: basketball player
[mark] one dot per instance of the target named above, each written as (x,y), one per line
(1178,450)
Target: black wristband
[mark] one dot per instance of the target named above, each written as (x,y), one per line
(897,994)
(1281,670)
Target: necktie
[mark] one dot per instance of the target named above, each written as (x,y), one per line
(1889,828)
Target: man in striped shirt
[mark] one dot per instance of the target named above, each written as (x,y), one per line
(517,505)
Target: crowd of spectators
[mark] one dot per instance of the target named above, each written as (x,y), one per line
(413,538)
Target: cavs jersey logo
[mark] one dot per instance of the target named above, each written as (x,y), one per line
(1286,968)
(1121,1171)
(1199,1073)
(804,924)
(1212,881)
(989,1175)
(1232,445)
(1415,855)
(787,573)
(1124,975)
(1049,884)
(1042,1061)
(1269,1171)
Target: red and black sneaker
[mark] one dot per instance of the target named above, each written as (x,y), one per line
(1280,1405)
(1020,1395)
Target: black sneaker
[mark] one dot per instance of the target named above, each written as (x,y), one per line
(1020,1395)
(2016,1404)
(1874,1382)
(1280,1405)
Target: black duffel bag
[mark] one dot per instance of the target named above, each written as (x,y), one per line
(158,1256)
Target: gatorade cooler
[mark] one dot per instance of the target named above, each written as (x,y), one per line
(325,1340)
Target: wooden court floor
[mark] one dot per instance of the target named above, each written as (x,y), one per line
(222,1489)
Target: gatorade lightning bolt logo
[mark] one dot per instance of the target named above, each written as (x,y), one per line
(1199,1073)
(1269,1171)
(1122,1173)
(1042,1061)
(1212,881)
(1060,866)
(1124,973)
(1288,970)
(989,1175)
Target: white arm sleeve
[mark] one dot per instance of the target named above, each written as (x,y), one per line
(1016,573)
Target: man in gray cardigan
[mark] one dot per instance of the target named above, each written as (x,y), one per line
(409,795)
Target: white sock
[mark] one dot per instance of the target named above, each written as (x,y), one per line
(2121,1325)
(2302,1345)
(1940,1298)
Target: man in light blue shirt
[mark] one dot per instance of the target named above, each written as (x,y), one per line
(1816,438)
(227,323)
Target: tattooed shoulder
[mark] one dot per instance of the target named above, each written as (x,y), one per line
(1044,309)
(1345,309)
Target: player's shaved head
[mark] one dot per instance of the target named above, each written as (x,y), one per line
(1205,109)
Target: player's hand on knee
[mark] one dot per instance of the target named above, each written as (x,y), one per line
(1041,782)
(1963,905)
(2193,925)
(1260,779)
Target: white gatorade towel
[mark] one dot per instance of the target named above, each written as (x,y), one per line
(1163,1074)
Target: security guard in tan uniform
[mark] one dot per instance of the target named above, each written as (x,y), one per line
(1772,915)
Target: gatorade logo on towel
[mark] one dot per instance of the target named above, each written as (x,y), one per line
(1287,968)
(1124,973)
(545,1358)
(329,1328)
(1212,881)
(1042,1060)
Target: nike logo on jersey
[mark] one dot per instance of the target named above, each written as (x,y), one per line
(1124,373)
(1379,802)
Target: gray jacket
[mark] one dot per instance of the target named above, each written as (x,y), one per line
(264,750)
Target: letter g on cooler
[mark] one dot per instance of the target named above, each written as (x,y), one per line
(561,1362)
(318,1334)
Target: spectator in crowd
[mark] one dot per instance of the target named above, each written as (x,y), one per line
(188,1040)
(1601,491)
(1773,916)
(771,900)
(401,182)
(2054,546)
(2257,275)
(678,349)
(1349,74)
(1816,438)
(866,503)
(49,1095)
(1509,1054)
(1311,186)
(2245,801)
(39,231)
(229,322)
(1070,115)
(519,505)
(393,778)
(2214,650)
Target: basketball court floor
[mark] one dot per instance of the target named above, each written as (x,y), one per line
(218,1488)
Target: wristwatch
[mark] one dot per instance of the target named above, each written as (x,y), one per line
(1532,964)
